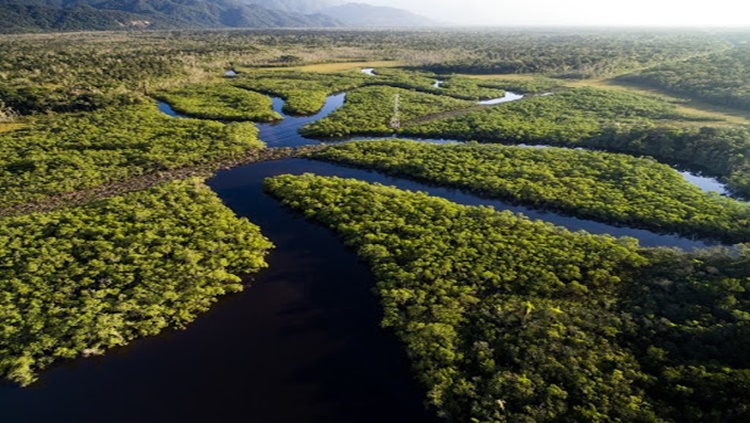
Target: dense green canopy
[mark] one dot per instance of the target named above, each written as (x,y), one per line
(220,102)
(613,188)
(509,320)
(81,280)
(66,153)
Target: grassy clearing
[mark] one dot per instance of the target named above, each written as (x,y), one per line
(7,127)
(722,116)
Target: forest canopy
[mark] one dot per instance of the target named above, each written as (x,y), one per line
(613,188)
(81,280)
(504,319)
(721,78)
(73,152)
(370,111)
(220,102)
(509,320)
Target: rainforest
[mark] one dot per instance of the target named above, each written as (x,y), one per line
(375,225)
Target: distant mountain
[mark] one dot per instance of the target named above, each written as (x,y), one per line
(360,14)
(29,18)
(71,15)
(297,6)
(351,14)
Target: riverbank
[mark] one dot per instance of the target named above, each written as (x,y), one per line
(149,180)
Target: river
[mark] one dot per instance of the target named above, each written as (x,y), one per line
(302,344)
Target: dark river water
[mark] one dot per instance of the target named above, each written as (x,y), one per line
(301,344)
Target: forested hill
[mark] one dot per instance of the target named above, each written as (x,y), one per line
(360,14)
(79,15)
(350,13)
(298,6)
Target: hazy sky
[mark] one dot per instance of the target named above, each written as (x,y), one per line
(581,12)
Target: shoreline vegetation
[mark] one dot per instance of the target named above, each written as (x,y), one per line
(606,187)
(500,314)
(220,102)
(72,152)
(108,233)
(80,280)
(151,179)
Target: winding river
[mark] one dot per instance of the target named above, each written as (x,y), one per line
(303,344)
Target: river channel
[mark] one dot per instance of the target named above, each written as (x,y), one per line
(301,344)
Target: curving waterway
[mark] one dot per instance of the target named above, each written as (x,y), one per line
(302,344)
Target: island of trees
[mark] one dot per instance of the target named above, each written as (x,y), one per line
(107,235)
(507,319)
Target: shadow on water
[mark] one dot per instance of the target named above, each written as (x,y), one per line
(303,344)
(298,166)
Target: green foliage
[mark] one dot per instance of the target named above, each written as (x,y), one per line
(220,102)
(452,86)
(305,92)
(509,320)
(497,312)
(471,88)
(29,100)
(582,54)
(72,152)
(692,317)
(369,111)
(613,188)
(71,72)
(26,16)
(104,64)
(536,85)
(609,120)
(724,152)
(403,78)
(87,15)
(721,78)
(563,118)
(81,280)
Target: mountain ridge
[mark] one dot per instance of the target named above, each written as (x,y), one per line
(74,15)
(94,15)
(362,14)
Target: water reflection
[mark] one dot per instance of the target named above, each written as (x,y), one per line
(508,97)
